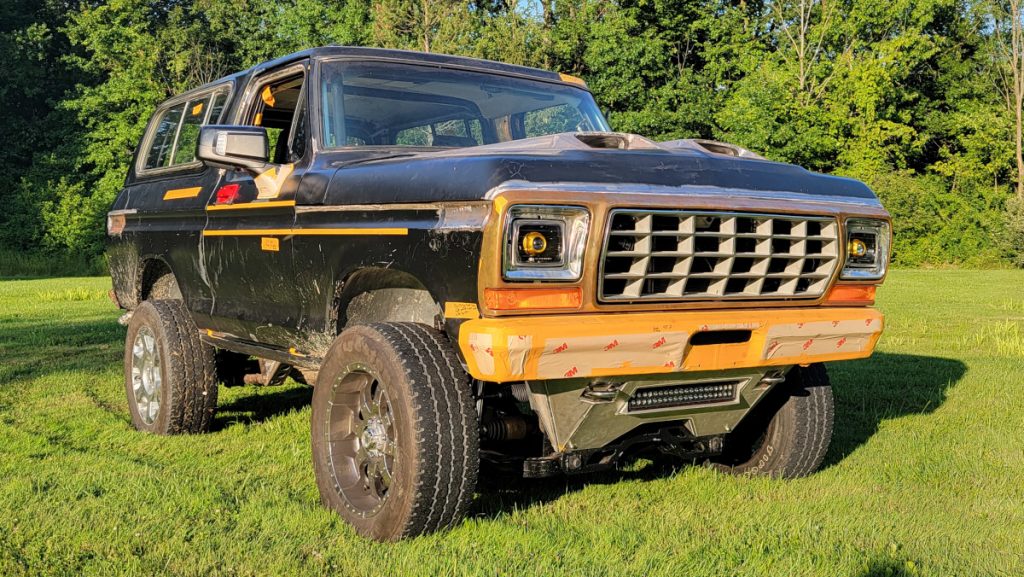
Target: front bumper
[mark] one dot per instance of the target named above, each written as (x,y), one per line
(628,344)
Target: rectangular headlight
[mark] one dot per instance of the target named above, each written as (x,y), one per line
(867,249)
(545,242)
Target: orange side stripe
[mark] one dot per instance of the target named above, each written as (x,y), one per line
(309,232)
(250,205)
(177,193)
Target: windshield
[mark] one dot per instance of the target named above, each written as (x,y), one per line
(378,104)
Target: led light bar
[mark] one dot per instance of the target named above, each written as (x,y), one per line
(682,395)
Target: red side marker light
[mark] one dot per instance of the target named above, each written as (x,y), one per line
(227,194)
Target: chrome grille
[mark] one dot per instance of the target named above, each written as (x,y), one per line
(687,255)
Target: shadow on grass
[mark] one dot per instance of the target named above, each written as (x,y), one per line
(867,392)
(262,405)
(888,568)
(885,386)
(500,492)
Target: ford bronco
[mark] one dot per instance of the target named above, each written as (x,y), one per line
(469,267)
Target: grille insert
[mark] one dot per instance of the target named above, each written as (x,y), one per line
(686,255)
(682,395)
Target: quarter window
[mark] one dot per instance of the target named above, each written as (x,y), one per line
(163,139)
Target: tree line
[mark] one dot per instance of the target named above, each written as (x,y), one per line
(922,99)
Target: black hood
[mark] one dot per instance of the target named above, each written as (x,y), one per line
(607,159)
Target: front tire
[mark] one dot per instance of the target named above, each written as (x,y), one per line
(394,431)
(787,434)
(169,372)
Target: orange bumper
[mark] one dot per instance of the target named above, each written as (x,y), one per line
(624,344)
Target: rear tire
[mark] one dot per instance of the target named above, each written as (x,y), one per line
(169,372)
(394,431)
(787,433)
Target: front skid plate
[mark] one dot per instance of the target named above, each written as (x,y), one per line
(574,422)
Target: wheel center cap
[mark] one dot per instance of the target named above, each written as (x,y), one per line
(375,437)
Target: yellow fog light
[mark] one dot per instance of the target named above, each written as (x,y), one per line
(534,243)
(858,248)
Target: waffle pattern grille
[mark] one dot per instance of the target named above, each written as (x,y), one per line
(685,255)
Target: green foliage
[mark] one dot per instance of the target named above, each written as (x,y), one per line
(901,93)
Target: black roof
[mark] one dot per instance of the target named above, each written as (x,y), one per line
(408,56)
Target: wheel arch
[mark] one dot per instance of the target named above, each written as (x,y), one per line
(374,294)
(156,280)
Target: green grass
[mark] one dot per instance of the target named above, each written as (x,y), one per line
(924,476)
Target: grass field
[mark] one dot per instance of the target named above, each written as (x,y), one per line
(925,475)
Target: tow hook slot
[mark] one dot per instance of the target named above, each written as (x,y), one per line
(727,337)
(600,392)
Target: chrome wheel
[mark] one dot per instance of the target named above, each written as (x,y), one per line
(146,375)
(361,437)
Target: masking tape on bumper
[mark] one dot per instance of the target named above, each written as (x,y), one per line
(557,347)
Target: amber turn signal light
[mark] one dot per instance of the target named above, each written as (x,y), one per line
(846,294)
(541,298)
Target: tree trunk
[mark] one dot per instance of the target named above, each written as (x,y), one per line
(1017,74)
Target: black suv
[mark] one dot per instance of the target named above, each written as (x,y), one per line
(468,265)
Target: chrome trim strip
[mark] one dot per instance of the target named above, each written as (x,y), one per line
(396,206)
(677,191)
(452,216)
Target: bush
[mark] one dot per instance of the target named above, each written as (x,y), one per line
(1013,236)
(41,264)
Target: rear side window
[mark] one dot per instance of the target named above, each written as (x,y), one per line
(552,120)
(457,132)
(177,130)
(162,145)
(188,136)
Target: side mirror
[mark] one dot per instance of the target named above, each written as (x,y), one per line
(245,147)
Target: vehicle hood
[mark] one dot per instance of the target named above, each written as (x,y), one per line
(614,161)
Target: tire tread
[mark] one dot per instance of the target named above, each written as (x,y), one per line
(191,370)
(445,458)
(801,412)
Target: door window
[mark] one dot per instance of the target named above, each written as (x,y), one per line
(280,108)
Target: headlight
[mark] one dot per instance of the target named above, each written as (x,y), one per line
(867,249)
(545,242)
